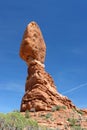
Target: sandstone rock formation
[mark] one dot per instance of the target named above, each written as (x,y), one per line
(33,45)
(40,90)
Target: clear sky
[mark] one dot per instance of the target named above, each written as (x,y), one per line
(64,27)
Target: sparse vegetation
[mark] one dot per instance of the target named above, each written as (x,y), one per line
(72,121)
(80,112)
(78,128)
(63,107)
(27,115)
(74,125)
(57,108)
(15,121)
(74,110)
(53,109)
(48,115)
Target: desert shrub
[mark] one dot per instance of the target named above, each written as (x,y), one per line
(27,114)
(63,107)
(15,121)
(80,112)
(48,115)
(72,121)
(74,125)
(77,128)
(74,110)
(57,108)
(53,109)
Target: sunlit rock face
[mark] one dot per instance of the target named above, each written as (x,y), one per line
(33,46)
(40,90)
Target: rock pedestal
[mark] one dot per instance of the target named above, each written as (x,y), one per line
(40,91)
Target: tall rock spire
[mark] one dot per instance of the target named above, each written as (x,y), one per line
(40,90)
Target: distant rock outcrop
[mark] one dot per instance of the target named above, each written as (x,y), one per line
(40,91)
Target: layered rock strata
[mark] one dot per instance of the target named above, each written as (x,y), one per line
(40,90)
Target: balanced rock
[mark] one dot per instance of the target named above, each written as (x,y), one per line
(40,90)
(33,46)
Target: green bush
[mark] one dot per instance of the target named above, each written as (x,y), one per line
(15,120)
(77,128)
(80,112)
(53,109)
(63,107)
(57,108)
(27,114)
(72,121)
(48,115)
(74,125)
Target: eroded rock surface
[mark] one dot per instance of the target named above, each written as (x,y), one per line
(33,45)
(40,90)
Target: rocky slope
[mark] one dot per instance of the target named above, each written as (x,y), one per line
(40,90)
(61,119)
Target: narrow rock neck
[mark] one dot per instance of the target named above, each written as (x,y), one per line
(35,75)
(35,66)
(34,62)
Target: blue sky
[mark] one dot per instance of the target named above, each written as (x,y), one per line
(64,27)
